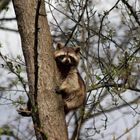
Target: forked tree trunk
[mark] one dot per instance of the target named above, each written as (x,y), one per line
(48,114)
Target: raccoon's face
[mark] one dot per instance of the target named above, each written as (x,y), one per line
(67,56)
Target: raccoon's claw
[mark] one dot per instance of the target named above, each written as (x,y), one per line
(24,112)
(57,89)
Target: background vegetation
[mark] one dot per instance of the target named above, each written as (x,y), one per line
(109,35)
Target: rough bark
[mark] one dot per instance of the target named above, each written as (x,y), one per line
(47,108)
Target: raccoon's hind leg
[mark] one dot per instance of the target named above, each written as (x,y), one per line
(26,112)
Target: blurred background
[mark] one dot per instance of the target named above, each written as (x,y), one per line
(108,33)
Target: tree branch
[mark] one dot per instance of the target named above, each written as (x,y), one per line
(134,14)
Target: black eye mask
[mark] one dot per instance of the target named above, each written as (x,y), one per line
(61,57)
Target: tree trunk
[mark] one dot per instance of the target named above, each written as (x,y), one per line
(47,108)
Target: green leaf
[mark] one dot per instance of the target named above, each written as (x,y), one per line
(98,77)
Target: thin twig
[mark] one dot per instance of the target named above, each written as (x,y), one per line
(128,130)
(133,13)
(74,28)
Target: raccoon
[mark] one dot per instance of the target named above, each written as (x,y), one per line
(72,86)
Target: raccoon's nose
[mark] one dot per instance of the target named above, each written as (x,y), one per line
(67,61)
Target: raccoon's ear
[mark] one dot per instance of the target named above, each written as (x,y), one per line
(77,49)
(59,46)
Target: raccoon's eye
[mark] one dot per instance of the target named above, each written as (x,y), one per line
(61,57)
(72,59)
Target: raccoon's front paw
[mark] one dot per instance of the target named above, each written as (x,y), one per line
(57,89)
